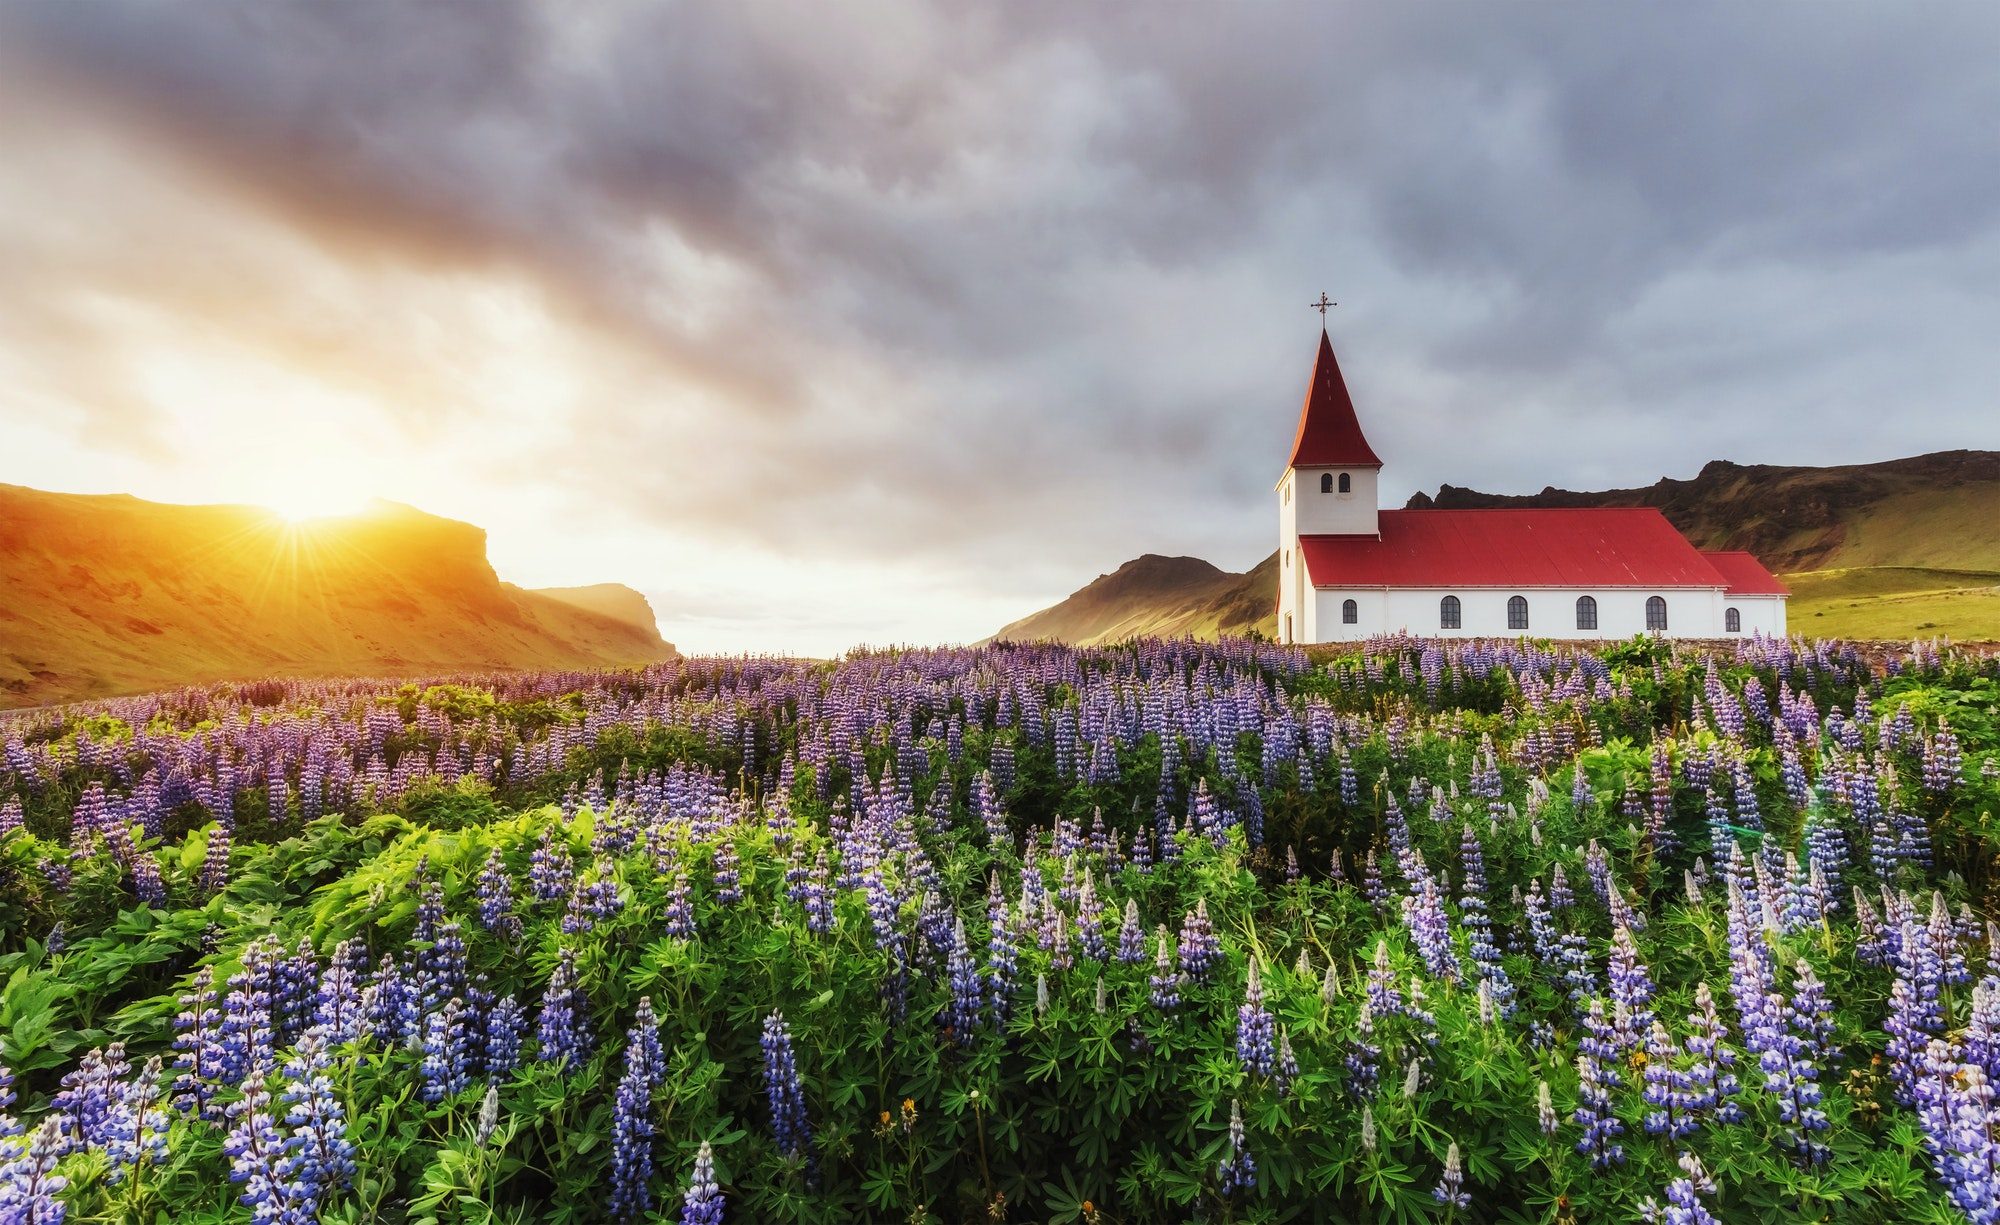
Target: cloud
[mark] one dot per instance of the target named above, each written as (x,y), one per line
(1002,294)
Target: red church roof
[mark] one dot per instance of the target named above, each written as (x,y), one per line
(1611,547)
(1746,575)
(1329,433)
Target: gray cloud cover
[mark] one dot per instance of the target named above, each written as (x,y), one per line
(1012,292)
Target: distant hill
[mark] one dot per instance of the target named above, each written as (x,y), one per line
(1899,549)
(110,594)
(1159,596)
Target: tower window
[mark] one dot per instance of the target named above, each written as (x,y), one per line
(1656,614)
(1350,612)
(1346,483)
(1586,612)
(1517,613)
(1448,613)
(1326,482)
(1732,621)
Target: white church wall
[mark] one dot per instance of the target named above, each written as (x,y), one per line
(1761,614)
(1621,612)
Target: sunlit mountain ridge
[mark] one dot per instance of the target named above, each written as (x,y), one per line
(109,594)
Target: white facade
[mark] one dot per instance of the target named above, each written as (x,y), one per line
(1691,612)
(1318,502)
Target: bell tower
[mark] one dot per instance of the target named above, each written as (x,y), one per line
(1328,487)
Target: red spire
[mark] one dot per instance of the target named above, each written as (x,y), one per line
(1329,433)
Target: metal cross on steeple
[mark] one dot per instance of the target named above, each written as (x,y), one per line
(1322,305)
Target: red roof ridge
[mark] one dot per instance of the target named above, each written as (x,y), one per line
(1329,433)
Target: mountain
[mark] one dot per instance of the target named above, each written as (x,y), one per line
(1159,596)
(1898,549)
(110,594)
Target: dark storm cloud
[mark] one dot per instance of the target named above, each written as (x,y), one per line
(1030,279)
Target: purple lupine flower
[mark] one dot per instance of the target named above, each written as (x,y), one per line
(1479,927)
(1363,1057)
(1545,1109)
(136,1129)
(1684,1206)
(198,1057)
(337,1000)
(247,1038)
(319,1159)
(962,1016)
(445,1070)
(809,888)
(593,899)
(550,869)
(784,1090)
(1165,982)
(1383,997)
(1956,1106)
(1255,1028)
(1288,1064)
(564,1027)
(390,1004)
(1981,1043)
(1238,1170)
(91,1096)
(728,876)
(632,1121)
(1711,1075)
(1669,1088)
(1594,1114)
(29,1185)
(703,1204)
(1131,937)
(506,1025)
(256,1151)
(1430,930)
(1915,1015)
(1199,948)
(677,920)
(1450,1190)
(214,876)
(1631,992)
(294,985)
(496,897)
(1002,962)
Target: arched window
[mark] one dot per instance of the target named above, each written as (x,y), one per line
(1448,613)
(1350,612)
(1346,483)
(1732,621)
(1326,482)
(1517,613)
(1656,614)
(1586,612)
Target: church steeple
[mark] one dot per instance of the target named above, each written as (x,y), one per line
(1329,434)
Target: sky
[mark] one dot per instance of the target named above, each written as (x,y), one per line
(896,323)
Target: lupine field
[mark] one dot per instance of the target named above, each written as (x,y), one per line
(1473,932)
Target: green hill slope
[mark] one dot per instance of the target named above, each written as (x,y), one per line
(1168,597)
(111,594)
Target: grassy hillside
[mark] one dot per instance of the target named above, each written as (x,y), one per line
(1901,549)
(111,594)
(1154,596)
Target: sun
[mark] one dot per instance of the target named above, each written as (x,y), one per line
(308,501)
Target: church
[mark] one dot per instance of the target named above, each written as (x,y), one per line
(1349,570)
